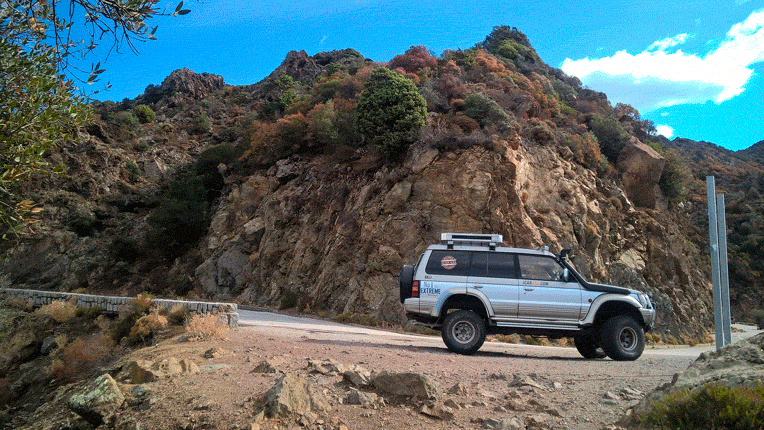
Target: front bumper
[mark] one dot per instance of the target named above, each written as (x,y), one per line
(648,315)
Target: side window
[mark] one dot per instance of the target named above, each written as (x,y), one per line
(501,265)
(449,262)
(540,268)
(493,265)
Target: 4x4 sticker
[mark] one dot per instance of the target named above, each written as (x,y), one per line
(448,262)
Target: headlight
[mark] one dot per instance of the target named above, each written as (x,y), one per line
(644,300)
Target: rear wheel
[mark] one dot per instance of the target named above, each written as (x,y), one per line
(587,346)
(406,281)
(463,332)
(622,338)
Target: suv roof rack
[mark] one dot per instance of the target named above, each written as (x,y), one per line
(489,240)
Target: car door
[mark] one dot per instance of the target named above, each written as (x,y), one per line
(494,275)
(544,294)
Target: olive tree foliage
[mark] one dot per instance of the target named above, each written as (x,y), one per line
(39,103)
(37,109)
(390,112)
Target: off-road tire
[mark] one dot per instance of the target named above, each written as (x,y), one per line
(463,332)
(622,338)
(587,346)
(406,281)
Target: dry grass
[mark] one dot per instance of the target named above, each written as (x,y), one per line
(59,311)
(205,327)
(146,326)
(20,304)
(177,314)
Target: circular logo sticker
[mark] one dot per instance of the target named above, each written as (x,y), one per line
(448,262)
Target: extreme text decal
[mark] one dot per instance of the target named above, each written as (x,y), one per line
(430,291)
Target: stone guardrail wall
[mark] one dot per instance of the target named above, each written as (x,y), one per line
(229,312)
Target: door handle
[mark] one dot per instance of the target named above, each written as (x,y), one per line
(528,288)
(478,286)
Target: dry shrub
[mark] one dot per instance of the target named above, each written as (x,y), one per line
(81,358)
(20,304)
(177,314)
(146,326)
(205,327)
(142,303)
(60,311)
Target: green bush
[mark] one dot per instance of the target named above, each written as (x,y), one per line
(484,110)
(201,124)
(675,178)
(207,167)
(182,216)
(390,112)
(611,136)
(126,120)
(711,406)
(133,172)
(144,114)
(124,249)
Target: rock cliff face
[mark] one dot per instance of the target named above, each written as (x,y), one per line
(327,231)
(332,236)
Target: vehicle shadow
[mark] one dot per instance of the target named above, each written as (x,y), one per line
(441,350)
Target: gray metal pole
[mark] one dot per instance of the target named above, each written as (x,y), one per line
(723,268)
(713,233)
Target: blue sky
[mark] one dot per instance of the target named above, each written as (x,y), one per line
(696,68)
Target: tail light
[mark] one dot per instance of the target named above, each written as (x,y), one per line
(415,289)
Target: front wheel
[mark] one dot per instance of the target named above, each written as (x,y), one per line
(622,338)
(463,332)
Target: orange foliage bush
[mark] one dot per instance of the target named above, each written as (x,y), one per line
(414,59)
(80,358)
(489,63)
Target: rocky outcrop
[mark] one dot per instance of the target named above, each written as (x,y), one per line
(641,168)
(738,365)
(184,83)
(302,67)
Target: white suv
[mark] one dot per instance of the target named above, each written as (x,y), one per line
(470,285)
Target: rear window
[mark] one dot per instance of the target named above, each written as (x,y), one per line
(449,262)
(493,265)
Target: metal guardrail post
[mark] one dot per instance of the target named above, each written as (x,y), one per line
(717,228)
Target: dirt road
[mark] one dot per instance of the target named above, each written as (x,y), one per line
(572,392)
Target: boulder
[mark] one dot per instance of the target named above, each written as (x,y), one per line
(357,397)
(504,424)
(293,394)
(357,376)
(641,168)
(407,384)
(139,372)
(437,410)
(98,401)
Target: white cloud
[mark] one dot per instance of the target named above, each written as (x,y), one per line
(665,131)
(659,77)
(669,42)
